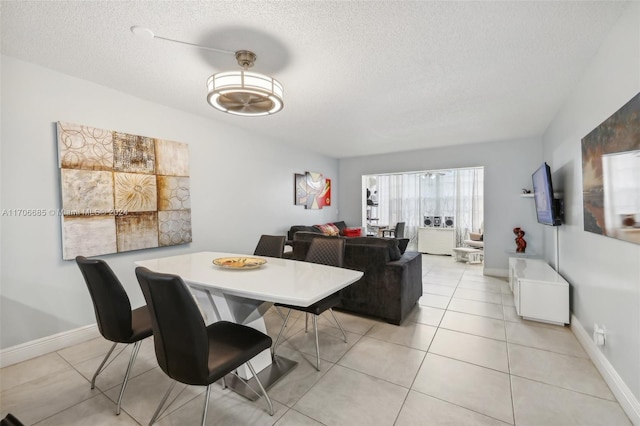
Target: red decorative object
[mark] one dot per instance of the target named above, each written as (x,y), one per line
(521,244)
(352,232)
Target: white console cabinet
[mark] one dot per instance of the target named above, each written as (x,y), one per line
(436,240)
(539,292)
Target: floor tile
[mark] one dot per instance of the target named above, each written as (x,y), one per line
(144,392)
(490,310)
(114,370)
(352,396)
(332,345)
(98,410)
(426,315)
(434,301)
(440,280)
(577,374)
(294,418)
(473,349)
(226,408)
(478,295)
(33,369)
(474,324)
(420,409)
(350,322)
(41,398)
(507,299)
(544,338)
(289,389)
(93,348)
(476,388)
(388,361)
(441,290)
(540,404)
(412,334)
(471,284)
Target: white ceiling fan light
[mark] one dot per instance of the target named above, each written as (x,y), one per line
(241,92)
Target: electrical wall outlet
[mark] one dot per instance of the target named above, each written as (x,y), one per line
(599,334)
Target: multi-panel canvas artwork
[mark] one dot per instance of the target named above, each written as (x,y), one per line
(121,192)
(611,175)
(312,190)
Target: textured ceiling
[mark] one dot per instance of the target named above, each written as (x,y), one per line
(360,77)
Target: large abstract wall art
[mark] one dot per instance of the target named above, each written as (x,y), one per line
(121,192)
(611,175)
(312,190)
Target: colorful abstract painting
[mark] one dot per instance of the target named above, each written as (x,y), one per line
(121,192)
(312,190)
(611,175)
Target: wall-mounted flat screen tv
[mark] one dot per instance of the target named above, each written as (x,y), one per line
(548,209)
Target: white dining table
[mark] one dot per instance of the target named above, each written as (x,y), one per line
(244,295)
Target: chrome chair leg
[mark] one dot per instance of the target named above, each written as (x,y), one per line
(206,405)
(273,348)
(98,371)
(164,399)
(280,312)
(339,325)
(262,389)
(315,329)
(132,359)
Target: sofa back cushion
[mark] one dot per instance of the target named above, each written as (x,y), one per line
(299,228)
(391,244)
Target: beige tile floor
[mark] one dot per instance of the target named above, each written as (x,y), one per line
(462,357)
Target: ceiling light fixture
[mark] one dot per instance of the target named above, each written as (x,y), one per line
(242,92)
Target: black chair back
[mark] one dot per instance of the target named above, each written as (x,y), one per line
(180,334)
(270,246)
(110,301)
(399,230)
(326,251)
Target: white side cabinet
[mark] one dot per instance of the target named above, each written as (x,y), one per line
(539,292)
(436,240)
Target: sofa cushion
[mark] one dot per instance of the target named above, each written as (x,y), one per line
(390,243)
(301,228)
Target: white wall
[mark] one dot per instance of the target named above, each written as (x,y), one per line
(241,187)
(604,272)
(507,166)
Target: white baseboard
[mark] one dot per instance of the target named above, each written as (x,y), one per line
(621,391)
(45,345)
(495,272)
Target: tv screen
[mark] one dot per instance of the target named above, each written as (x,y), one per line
(547,209)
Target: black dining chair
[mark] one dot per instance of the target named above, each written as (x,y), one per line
(270,246)
(10,420)
(326,251)
(397,232)
(189,351)
(116,320)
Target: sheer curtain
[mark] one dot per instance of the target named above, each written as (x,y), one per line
(409,197)
(399,201)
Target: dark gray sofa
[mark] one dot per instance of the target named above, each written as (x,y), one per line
(392,281)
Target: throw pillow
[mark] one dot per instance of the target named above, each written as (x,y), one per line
(341,226)
(328,229)
(352,232)
(402,244)
(475,236)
